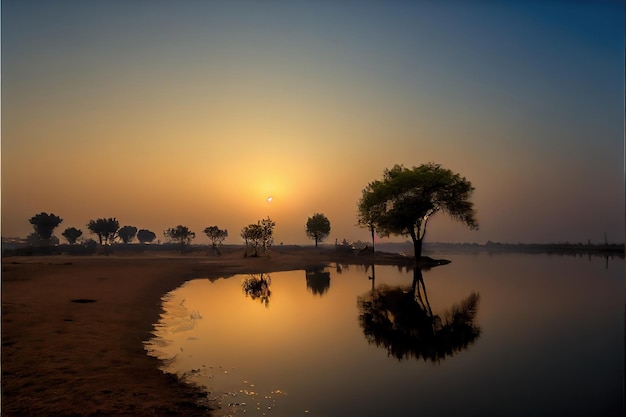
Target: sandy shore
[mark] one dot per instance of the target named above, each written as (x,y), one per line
(73,329)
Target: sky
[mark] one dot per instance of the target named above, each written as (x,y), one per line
(166,113)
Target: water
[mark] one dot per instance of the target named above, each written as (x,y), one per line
(486,335)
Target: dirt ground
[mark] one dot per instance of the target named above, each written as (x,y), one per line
(73,329)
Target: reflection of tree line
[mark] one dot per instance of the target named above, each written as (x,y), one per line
(398,318)
(257,286)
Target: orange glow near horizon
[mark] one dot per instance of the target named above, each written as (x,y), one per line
(197,121)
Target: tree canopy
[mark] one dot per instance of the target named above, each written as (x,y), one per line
(146,236)
(127,233)
(267,230)
(106,229)
(216,236)
(259,235)
(318,227)
(44,225)
(252,235)
(405,200)
(72,234)
(181,234)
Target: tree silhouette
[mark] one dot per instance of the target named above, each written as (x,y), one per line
(72,234)
(267,233)
(369,210)
(146,236)
(127,233)
(216,236)
(181,234)
(44,225)
(105,229)
(405,200)
(318,227)
(400,319)
(252,234)
(260,235)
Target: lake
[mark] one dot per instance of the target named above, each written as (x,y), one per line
(486,335)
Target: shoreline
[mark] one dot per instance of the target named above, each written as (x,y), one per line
(73,328)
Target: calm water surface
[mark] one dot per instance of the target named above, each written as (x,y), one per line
(487,335)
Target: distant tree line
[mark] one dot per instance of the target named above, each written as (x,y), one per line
(400,204)
(108,231)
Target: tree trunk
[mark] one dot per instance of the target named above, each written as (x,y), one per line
(316,241)
(417,248)
(373,245)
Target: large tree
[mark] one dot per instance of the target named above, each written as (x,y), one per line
(44,224)
(146,236)
(318,227)
(72,234)
(217,237)
(405,200)
(106,229)
(181,234)
(127,233)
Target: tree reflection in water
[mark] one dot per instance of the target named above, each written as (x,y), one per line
(317,280)
(400,319)
(257,286)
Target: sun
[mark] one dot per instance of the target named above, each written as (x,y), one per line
(269,199)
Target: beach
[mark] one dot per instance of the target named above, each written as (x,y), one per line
(73,329)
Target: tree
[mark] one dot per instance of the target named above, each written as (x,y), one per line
(44,224)
(106,229)
(146,236)
(253,236)
(259,235)
(127,233)
(217,237)
(72,234)
(267,233)
(406,199)
(369,207)
(318,227)
(181,234)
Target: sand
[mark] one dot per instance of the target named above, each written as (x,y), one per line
(73,329)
